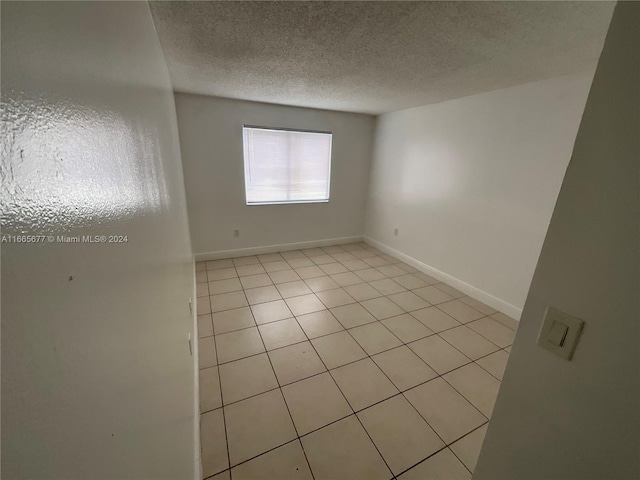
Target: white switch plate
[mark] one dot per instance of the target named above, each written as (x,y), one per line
(553,336)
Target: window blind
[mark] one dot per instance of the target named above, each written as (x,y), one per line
(286,166)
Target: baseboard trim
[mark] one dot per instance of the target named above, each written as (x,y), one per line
(474,292)
(282,247)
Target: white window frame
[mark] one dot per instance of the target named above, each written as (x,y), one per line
(284,129)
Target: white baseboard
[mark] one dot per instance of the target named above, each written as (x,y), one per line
(282,247)
(474,292)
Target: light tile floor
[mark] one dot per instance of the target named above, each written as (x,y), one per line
(342,362)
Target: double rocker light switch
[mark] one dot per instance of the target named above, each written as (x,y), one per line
(559,333)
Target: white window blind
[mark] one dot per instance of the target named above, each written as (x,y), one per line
(286,166)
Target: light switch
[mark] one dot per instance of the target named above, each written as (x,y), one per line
(560,332)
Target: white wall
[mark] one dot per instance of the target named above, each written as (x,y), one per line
(580,419)
(97,380)
(471,183)
(211,143)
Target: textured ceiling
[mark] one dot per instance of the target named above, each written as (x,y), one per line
(373,57)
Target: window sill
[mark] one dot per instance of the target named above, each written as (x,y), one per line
(297,202)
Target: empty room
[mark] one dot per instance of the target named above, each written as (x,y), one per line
(308,240)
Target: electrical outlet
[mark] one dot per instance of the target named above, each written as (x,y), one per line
(236,233)
(395,232)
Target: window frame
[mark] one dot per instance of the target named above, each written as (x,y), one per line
(286,129)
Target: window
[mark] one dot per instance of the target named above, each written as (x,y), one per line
(286,166)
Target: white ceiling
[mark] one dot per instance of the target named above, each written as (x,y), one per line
(373,57)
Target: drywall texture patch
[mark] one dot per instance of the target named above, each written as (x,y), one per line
(373,57)
(211,143)
(580,419)
(97,380)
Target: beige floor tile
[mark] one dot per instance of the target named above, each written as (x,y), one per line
(494,363)
(400,433)
(217,264)
(323,259)
(221,274)
(477,386)
(407,268)
(262,295)
(346,279)
(311,252)
(505,320)
(374,338)
(404,368)
(226,475)
(315,402)
(284,276)
(300,262)
(343,450)
(319,323)
(432,295)
(370,274)
(224,286)
(276,266)
(213,443)
(319,284)
(200,266)
(493,331)
(249,260)
(270,257)
(391,270)
(469,342)
(333,249)
(408,301)
(438,354)
(291,254)
(449,290)
(435,319)
(352,315)
(203,306)
(508,349)
(333,268)
(201,276)
(355,264)
(281,333)
(478,305)
(286,462)
(205,326)
(362,291)
(255,281)
(426,278)
(343,256)
(309,272)
(363,383)
(390,258)
(227,301)
(467,449)
(448,412)
(382,308)
(375,261)
(207,352)
(338,349)
(335,298)
(460,311)
(256,425)
(293,289)
(231,320)
(442,466)
(387,286)
(410,281)
(239,344)
(407,328)
(246,377)
(271,312)
(209,386)
(304,304)
(202,289)
(244,270)
(296,362)
(364,253)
